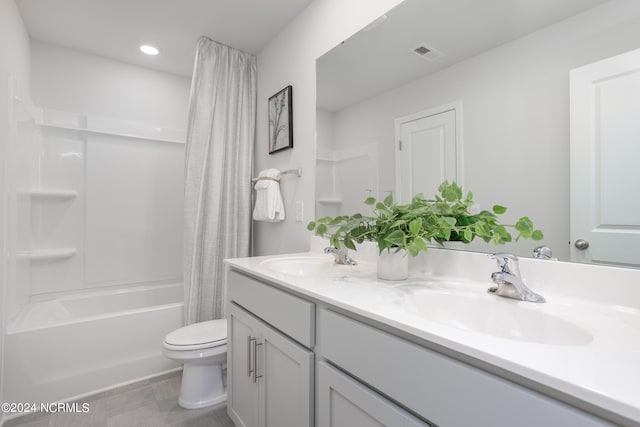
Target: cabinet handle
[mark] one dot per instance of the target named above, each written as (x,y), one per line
(254,351)
(249,370)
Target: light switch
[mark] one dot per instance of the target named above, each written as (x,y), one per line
(299,210)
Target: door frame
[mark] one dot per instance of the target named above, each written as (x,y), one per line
(456,107)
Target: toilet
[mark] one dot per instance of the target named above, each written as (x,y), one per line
(202,349)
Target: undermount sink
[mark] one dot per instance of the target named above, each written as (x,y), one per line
(494,316)
(308,266)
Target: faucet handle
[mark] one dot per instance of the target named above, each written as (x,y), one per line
(542,252)
(507,262)
(341,255)
(335,250)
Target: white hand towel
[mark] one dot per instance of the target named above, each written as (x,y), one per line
(269,206)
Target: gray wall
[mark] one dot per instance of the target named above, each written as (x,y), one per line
(290,59)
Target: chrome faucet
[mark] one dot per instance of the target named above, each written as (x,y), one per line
(509,281)
(341,255)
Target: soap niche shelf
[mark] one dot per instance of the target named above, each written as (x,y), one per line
(48,254)
(44,194)
(328,201)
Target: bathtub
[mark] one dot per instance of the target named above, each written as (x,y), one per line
(77,345)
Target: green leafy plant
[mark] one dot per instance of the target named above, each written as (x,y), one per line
(449,216)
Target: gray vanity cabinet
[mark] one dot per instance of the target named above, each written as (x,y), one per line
(344,402)
(366,375)
(270,374)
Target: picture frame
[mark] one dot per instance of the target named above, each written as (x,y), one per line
(281,120)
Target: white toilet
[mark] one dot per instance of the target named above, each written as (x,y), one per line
(202,348)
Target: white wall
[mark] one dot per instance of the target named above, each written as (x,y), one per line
(14,61)
(515,116)
(14,45)
(4,133)
(70,80)
(325,188)
(290,59)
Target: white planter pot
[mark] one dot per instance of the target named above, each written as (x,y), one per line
(393,265)
(458,246)
(455,245)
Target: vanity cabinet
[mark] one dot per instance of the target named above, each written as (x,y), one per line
(293,362)
(270,374)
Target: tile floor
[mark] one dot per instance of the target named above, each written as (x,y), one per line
(149,403)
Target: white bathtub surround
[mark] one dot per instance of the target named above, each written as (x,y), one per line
(219,153)
(81,223)
(580,346)
(89,302)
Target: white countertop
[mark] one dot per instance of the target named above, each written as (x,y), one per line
(590,352)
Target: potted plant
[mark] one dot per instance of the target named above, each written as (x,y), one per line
(399,230)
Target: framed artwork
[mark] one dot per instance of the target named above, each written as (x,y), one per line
(280,121)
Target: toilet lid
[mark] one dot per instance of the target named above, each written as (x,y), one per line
(212,332)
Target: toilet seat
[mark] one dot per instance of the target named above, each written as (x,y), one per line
(209,334)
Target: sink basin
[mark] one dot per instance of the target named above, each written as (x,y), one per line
(308,266)
(499,317)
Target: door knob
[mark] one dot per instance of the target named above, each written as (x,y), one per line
(581,244)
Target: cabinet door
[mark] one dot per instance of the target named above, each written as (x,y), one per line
(287,379)
(243,393)
(343,402)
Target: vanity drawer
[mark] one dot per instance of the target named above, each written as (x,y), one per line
(441,389)
(291,315)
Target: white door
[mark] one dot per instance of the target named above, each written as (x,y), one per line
(428,151)
(605,156)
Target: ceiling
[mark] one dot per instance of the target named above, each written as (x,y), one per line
(381,57)
(116,28)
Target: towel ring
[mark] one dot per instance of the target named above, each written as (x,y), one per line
(297,172)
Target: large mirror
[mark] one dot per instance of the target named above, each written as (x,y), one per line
(485,86)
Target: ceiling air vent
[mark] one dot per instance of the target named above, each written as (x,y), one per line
(427,52)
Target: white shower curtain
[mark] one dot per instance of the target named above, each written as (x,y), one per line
(218,167)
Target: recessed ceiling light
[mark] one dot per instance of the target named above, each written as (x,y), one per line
(149,50)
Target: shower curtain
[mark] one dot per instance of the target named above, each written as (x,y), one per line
(218,167)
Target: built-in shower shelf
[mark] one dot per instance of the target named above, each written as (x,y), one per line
(330,201)
(53,194)
(48,254)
